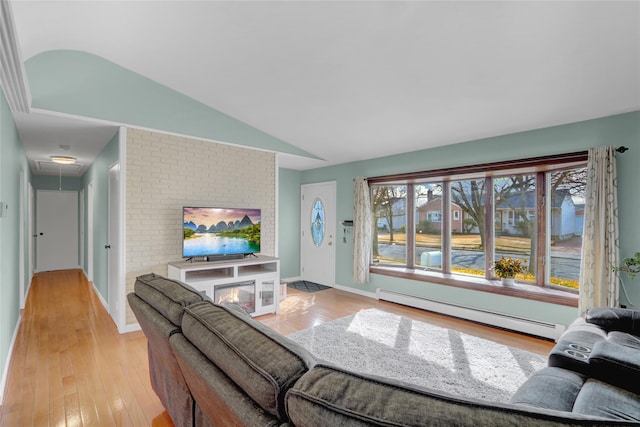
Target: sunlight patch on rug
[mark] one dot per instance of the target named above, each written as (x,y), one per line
(380,343)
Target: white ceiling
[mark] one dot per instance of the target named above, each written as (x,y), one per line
(348,81)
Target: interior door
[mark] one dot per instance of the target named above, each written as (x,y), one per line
(32,233)
(113,247)
(90,231)
(21,240)
(318,222)
(56,230)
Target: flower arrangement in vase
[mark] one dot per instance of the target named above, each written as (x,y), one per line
(507,268)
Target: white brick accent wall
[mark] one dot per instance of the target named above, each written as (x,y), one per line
(165,173)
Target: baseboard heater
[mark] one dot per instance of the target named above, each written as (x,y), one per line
(514,323)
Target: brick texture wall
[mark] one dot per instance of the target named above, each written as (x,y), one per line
(164,173)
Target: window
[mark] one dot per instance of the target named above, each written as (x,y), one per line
(467,248)
(389,208)
(428,235)
(434,216)
(515,194)
(566,213)
(317,222)
(460,220)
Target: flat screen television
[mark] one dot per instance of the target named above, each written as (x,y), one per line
(220,233)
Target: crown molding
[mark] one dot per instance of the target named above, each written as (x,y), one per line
(12,73)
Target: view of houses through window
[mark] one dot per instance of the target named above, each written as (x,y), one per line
(461,226)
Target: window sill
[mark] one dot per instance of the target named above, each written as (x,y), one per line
(519,290)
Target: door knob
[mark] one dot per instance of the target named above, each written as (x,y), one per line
(107,246)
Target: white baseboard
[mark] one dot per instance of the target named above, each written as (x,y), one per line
(130,328)
(102,300)
(372,295)
(5,370)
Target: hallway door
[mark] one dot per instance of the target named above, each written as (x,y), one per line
(116,293)
(56,230)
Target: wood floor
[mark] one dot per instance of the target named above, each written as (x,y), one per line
(70,367)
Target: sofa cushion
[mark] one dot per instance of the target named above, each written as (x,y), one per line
(552,388)
(219,401)
(615,319)
(169,297)
(616,364)
(625,339)
(330,396)
(604,400)
(263,363)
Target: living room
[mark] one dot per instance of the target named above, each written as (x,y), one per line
(620,127)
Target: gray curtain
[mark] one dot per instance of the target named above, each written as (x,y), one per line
(361,231)
(598,281)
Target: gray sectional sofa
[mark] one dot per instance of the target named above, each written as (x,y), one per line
(214,365)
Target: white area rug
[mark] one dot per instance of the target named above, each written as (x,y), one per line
(388,345)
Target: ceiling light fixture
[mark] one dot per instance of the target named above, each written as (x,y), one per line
(63,160)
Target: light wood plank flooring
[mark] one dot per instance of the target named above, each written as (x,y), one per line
(70,367)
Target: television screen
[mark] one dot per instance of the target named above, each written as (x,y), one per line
(220,231)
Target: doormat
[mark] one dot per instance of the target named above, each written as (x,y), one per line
(306,286)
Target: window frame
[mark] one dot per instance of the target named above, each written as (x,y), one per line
(536,165)
(436,214)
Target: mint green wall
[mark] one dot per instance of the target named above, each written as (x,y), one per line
(616,130)
(83,84)
(289,223)
(98,174)
(13,162)
(627,128)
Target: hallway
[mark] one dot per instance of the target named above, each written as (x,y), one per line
(70,367)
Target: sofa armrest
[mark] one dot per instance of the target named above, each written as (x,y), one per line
(615,319)
(616,364)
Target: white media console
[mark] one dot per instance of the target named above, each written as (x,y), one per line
(254,283)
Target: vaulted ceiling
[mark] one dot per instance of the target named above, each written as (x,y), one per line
(348,81)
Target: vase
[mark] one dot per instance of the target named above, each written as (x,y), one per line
(508,281)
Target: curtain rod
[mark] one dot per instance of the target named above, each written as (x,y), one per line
(620,149)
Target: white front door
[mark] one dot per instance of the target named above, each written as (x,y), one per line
(318,222)
(56,230)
